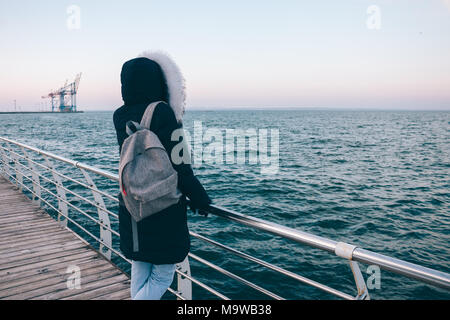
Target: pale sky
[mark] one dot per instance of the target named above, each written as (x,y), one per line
(234,53)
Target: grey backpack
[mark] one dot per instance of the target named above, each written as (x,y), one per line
(147,179)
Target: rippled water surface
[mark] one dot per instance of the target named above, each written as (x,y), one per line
(377,179)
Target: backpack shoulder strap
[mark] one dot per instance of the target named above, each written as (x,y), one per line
(131,127)
(148,115)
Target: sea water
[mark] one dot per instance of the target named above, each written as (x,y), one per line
(375,179)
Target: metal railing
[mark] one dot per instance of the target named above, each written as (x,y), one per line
(14,154)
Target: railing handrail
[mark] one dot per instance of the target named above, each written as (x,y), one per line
(428,275)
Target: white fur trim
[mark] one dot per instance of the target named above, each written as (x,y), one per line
(174,78)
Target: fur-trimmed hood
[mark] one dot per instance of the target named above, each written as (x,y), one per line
(154,76)
(174,80)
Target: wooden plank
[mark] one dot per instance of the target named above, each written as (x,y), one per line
(108,292)
(90,283)
(14,199)
(39,248)
(34,235)
(20,217)
(15,194)
(46,263)
(19,209)
(23,218)
(13,238)
(35,252)
(41,274)
(17,212)
(22,224)
(10,194)
(41,290)
(120,294)
(14,211)
(9,186)
(9,191)
(37,213)
(37,240)
(6,197)
(42,253)
(25,225)
(43,285)
(30,229)
(26,259)
(44,269)
(27,222)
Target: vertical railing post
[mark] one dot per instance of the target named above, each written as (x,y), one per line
(184,284)
(6,172)
(363,292)
(17,166)
(36,197)
(105,224)
(62,205)
(17,173)
(345,250)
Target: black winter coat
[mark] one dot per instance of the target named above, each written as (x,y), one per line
(164,236)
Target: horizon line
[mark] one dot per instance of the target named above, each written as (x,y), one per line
(252,108)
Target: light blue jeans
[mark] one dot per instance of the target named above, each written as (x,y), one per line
(150,281)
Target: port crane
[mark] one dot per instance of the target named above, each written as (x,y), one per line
(66,96)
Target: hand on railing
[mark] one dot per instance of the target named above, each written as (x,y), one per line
(201,210)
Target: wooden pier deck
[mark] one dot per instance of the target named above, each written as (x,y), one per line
(36,252)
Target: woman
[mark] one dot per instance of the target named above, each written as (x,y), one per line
(164,236)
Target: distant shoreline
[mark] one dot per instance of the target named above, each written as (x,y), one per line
(30,112)
(293,109)
(252,109)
